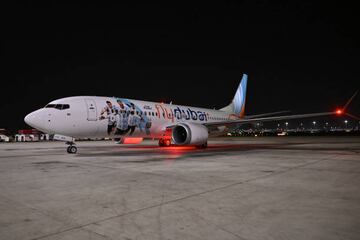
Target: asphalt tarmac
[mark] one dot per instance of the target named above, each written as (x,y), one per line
(238,188)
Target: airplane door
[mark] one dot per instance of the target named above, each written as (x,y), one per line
(91,110)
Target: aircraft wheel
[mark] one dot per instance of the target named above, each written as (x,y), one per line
(202,146)
(72,149)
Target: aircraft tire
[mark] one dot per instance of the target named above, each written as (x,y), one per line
(202,146)
(72,149)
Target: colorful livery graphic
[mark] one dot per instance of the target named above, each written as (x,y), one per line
(121,118)
(124,117)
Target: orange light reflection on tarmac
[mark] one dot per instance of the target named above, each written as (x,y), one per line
(175,152)
(212,147)
(172,152)
(179,148)
(133,140)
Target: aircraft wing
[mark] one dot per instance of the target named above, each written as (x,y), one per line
(267,119)
(265,114)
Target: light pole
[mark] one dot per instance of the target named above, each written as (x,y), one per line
(314,122)
(346,122)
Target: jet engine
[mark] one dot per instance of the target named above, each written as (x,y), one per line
(190,134)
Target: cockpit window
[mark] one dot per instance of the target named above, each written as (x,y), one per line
(58,106)
(65,106)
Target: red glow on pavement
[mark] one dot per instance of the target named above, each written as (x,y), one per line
(132,140)
(178,148)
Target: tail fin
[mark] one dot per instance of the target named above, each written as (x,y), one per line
(237,106)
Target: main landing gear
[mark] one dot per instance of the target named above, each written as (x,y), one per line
(202,146)
(164,142)
(72,149)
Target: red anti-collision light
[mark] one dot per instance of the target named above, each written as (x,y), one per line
(339,112)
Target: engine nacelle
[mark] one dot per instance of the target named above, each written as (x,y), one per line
(189,134)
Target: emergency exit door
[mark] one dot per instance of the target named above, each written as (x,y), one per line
(91,110)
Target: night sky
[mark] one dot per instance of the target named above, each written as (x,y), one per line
(300,56)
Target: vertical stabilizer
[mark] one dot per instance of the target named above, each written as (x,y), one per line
(237,106)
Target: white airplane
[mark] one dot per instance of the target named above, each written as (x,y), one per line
(121,118)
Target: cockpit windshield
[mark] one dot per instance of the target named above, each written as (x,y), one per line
(58,106)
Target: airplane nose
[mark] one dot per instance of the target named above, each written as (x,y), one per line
(35,120)
(28,118)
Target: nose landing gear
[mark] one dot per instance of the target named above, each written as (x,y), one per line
(72,149)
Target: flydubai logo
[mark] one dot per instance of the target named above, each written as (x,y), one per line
(180,113)
(189,114)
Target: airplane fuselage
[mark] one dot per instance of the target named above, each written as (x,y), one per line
(100,117)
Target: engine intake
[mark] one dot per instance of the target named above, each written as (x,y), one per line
(190,134)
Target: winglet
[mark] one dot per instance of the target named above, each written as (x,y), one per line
(341,111)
